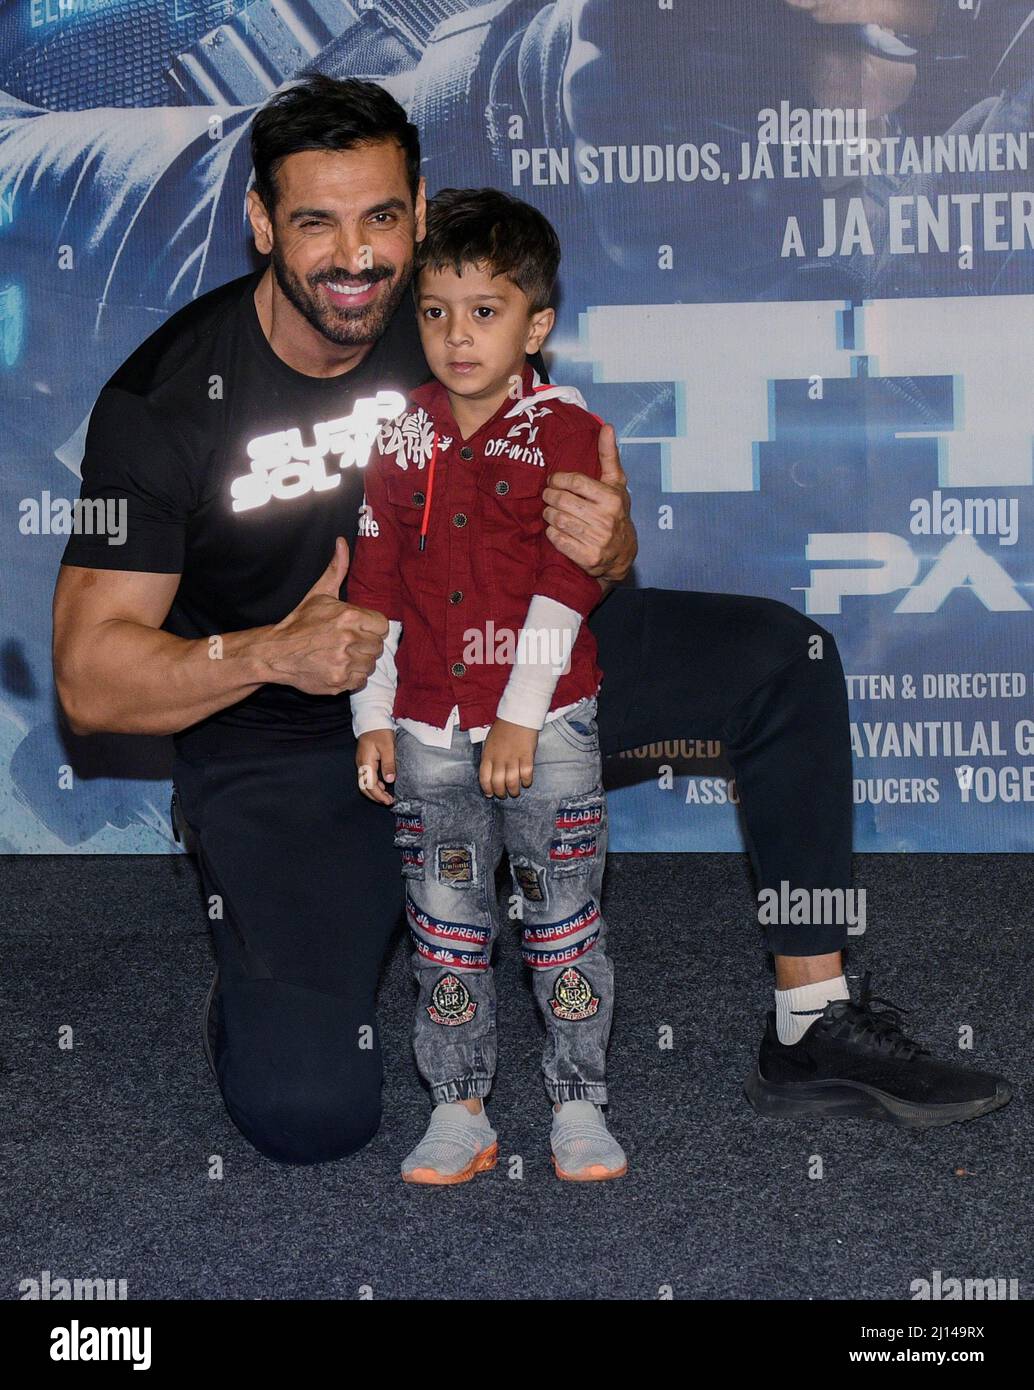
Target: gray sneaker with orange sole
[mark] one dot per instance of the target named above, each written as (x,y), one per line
(584,1150)
(456,1147)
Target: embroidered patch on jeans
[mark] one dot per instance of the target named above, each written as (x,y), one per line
(543,948)
(572,851)
(459,944)
(529,880)
(451,1003)
(588,817)
(413,863)
(408,823)
(456,865)
(572,998)
(549,960)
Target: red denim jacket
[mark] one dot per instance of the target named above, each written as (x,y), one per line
(486,550)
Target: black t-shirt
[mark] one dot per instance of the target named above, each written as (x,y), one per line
(238,472)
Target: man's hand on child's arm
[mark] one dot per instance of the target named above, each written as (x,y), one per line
(507,758)
(589,520)
(375,759)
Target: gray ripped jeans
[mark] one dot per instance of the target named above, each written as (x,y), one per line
(555,833)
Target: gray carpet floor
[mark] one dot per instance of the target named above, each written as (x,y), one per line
(108,1145)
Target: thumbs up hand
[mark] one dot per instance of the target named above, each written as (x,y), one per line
(333,576)
(324,646)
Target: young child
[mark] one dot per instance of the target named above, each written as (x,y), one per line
(483,715)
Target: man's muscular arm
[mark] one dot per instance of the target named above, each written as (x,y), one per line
(590,521)
(117,672)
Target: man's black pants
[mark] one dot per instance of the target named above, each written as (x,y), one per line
(303,882)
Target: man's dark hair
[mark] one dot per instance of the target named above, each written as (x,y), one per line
(487,228)
(324,113)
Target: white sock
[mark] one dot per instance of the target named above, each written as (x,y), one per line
(797,1009)
(479,1117)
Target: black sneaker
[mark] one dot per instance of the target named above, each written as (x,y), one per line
(855,1061)
(210,1022)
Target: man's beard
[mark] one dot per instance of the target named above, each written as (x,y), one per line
(346,327)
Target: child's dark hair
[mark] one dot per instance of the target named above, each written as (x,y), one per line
(325,113)
(484,227)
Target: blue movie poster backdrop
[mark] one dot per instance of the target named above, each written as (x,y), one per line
(797,275)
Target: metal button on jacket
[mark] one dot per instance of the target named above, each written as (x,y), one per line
(418,498)
(459,519)
(502,487)
(456,596)
(459,669)
(466,452)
